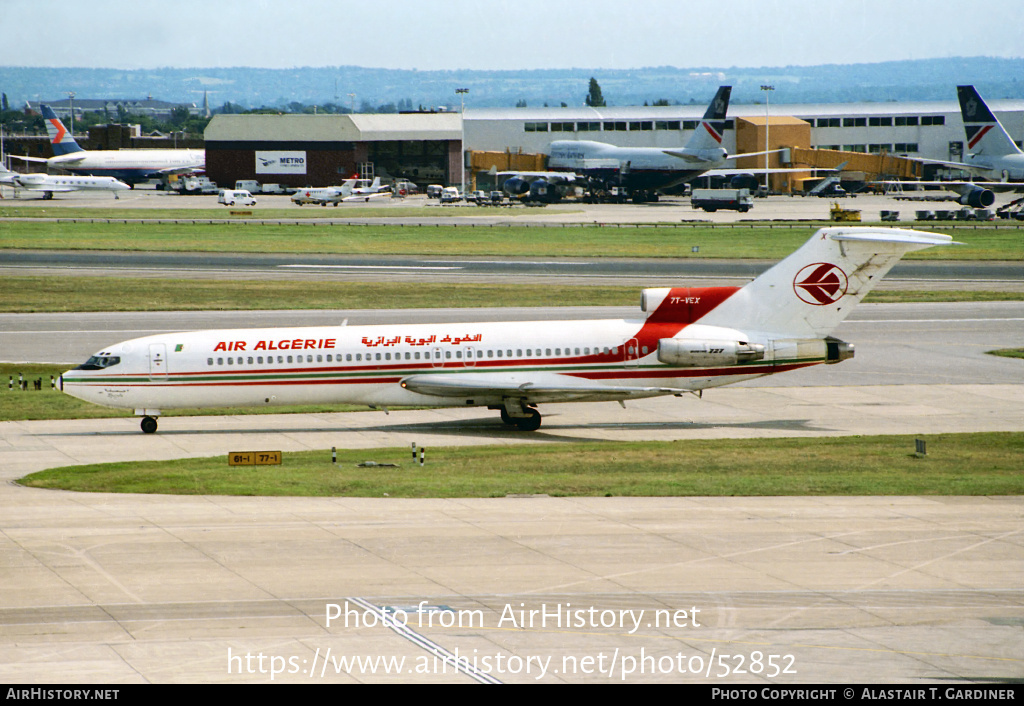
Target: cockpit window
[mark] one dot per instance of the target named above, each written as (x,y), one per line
(99,362)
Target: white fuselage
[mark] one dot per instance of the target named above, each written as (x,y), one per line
(130,165)
(640,167)
(46,182)
(365,364)
(1009,167)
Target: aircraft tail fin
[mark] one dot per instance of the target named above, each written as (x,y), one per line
(812,291)
(709,132)
(61,139)
(985,134)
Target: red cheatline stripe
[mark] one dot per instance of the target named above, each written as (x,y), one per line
(981,134)
(711,131)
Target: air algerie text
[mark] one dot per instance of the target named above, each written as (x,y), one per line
(294,344)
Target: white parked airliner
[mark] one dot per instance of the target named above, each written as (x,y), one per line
(128,165)
(686,339)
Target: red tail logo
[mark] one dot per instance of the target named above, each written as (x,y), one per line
(820,284)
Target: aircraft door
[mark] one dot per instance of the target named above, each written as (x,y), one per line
(631,348)
(470,356)
(436,358)
(157,361)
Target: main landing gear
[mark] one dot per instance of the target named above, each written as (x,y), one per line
(524,419)
(148,425)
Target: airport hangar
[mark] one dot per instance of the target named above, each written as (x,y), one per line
(323,150)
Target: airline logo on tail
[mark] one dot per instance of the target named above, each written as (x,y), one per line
(55,129)
(716,134)
(979,123)
(63,142)
(820,284)
(969,107)
(714,116)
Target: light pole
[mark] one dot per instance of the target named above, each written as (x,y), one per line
(767,100)
(461,92)
(71,101)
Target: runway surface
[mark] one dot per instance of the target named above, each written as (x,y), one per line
(639,272)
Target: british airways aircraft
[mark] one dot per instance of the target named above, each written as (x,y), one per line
(991,154)
(687,339)
(641,171)
(130,166)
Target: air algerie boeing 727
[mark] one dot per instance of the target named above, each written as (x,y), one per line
(687,339)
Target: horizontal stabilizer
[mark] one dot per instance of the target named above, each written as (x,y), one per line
(895,235)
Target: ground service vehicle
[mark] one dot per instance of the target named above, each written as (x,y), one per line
(236,197)
(727,199)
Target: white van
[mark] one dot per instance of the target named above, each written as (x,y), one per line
(450,194)
(240,197)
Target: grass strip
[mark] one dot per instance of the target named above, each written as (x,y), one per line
(1008,352)
(33,294)
(956,464)
(447,240)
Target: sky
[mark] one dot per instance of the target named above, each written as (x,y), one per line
(502,34)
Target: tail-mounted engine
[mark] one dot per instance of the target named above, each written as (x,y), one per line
(685,353)
(811,350)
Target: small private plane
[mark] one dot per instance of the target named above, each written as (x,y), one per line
(685,339)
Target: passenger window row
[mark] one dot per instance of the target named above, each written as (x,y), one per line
(457,354)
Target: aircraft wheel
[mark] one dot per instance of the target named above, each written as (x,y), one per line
(507,418)
(531,423)
(148,425)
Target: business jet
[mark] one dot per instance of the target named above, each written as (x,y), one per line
(324,195)
(643,172)
(992,155)
(49,185)
(130,165)
(687,339)
(366,190)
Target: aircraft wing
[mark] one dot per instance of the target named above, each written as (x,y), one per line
(528,386)
(46,187)
(553,177)
(194,169)
(366,197)
(781,170)
(688,157)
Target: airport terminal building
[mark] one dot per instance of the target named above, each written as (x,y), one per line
(932,130)
(919,130)
(426,148)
